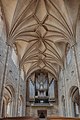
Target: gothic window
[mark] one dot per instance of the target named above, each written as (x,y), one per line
(14,56)
(31,89)
(69,56)
(4,108)
(9,108)
(75,101)
(51,89)
(20,103)
(8,102)
(22,74)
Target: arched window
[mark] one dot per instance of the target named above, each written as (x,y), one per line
(4,108)
(8,102)
(52,89)
(74,101)
(14,56)
(22,74)
(68,55)
(20,104)
(9,108)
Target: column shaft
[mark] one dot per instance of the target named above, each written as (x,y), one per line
(77,71)
(3,81)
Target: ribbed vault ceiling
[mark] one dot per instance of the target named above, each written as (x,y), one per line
(40,30)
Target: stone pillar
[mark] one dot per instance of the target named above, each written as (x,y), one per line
(24,100)
(18,92)
(3,81)
(77,71)
(27,98)
(66,102)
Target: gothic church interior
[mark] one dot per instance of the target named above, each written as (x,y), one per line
(40,58)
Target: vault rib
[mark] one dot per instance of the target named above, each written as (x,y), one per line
(61,16)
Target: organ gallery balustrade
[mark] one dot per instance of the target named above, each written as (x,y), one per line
(61,118)
(31,118)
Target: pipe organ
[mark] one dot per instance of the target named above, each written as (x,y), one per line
(41,88)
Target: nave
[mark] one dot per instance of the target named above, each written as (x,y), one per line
(40,59)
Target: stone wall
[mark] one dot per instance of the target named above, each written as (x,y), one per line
(69,76)
(12,77)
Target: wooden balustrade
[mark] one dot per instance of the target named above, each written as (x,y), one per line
(61,118)
(32,118)
(19,118)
